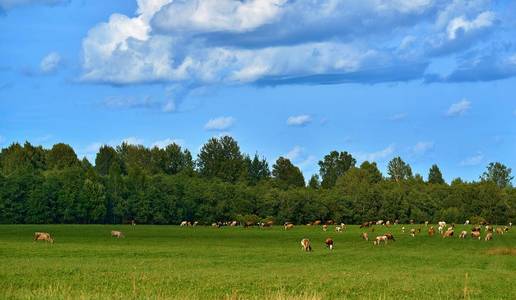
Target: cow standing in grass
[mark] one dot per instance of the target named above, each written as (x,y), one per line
(463,234)
(365,236)
(379,239)
(288,226)
(117,234)
(325,227)
(390,236)
(413,232)
(43,236)
(489,236)
(305,244)
(431,231)
(329,243)
(448,233)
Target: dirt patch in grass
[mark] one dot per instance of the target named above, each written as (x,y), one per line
(502,251)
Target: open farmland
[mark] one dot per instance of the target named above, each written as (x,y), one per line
(164,262)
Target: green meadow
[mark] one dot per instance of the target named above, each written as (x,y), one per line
(172,262)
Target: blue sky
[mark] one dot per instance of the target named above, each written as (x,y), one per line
(431,81)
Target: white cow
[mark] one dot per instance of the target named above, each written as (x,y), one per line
(467,222)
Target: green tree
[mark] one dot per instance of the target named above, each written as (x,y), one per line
(62,156)
(106,157)
(398,170)
(287,175)
(314,182)
(435,176)
(333,166)
(373,173)
(499,174)
(257,169)
(221,158)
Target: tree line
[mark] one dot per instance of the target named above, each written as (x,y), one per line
(167,185)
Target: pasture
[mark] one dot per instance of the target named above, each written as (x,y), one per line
(172,262)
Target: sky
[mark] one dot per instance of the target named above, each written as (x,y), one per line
(431,81)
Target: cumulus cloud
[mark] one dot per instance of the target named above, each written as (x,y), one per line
(221,123)
(377,155)
(50,63)
(421,148)
(272,42)
(473,160)
(6,5)
(294,153)
(299,120)
(459,108)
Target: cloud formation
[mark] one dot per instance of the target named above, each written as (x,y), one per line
(459,108)
(219,124)
(299,120)
(377,155)
(273,42)
(50,63)
(473,160)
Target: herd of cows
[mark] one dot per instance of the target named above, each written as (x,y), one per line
(445,230)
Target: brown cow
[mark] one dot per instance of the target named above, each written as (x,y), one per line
(288,226)
(448,233)
(475,234)
(117,234)
(390,236)
(463,234)
(318,222)
(431,231)
(329,243)
(365,236)
(305,244)
(325,227)
(43,236)
(489,236)
(413,232)
(499,230)
(365,224)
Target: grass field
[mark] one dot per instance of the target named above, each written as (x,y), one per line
(170,262)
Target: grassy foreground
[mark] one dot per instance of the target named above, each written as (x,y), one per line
(170,262)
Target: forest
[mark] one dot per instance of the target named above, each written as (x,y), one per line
(168,185)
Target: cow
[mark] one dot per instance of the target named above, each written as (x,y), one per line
(365,224)
(379,239)
(338,228)
(489,236)
(499,230)
(325,227)
(184,223)
(431,231)
(403,229)
(426,223)
(475,234)
(467,222)
(195,223)
(463,234)
(505,228)
(379,222)
(411,222)
(413,232)
(117,234)
(329,243)
(267,224)
(390,236)
(288,226)
(215,225)
(133,222)
(305,244)
(317,222)
(489,228)
(43,236)
(448,233)
(388,223)
(329,222)
(510,224)
(365,236)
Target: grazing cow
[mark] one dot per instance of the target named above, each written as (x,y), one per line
(329,222)
(489,236)
(390,236)
(117,234)
(411,222)
(309,224)
(184,223)
(499,230)
(216,225)
(475,234)
(195,223)
(365,224)
(233,223)
(325,227)
(305,244)
(426,223)
(448,233)
(431,231)
(329,243)
(267,224)
(510,224)
(338,228)
(379,222)
(489,228)
(441,223)
(388,223)
(413,232)
(396,222)
(365,236)
(43,236)
(379,239)
(463,234)
(317,222)
(288,226)
(403,229)
(467,222)
(505,228)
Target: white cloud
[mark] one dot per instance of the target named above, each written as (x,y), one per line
(300,120)
(169,106)
(376,156)
(222,123)
(461,25)
(50,63)
(422,147)
(294,153)
(459,108)
(398,117)
(164,143)
(133,141)
(473,160)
